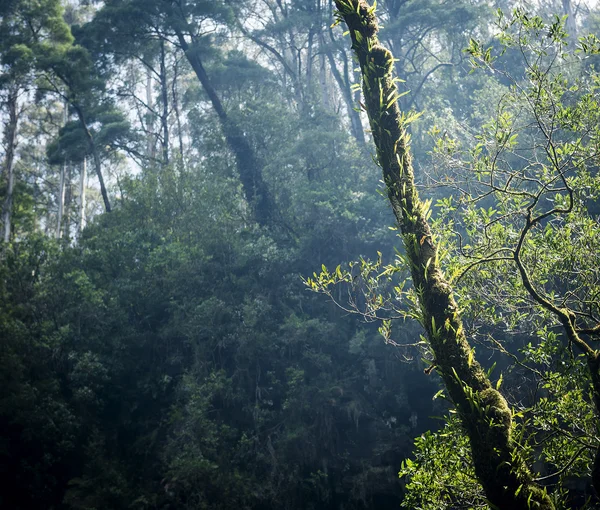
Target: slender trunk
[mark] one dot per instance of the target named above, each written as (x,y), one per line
(485,415)
(61,200)
(309,60)
(323,75)
(98,168)
(177,115)
(95,155)
(11,146)
(61,183)
(254,187)
(164,119)
(82,179)
(343,82)
(571,25)
(68,201)
(149,116)
(303,92)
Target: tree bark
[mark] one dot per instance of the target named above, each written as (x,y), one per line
(11,146)
(61,200)
(485,415)
(164,118)
(149,116)
(61,182)
(356,127)
(254,187)
(175,92)
(82,179)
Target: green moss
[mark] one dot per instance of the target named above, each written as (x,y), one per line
(368,19)
(483,411)
(358,16)
(383,59)
(496,408)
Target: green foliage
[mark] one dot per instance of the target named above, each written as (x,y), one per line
(524,236)
(170,356)
(523,243)
(441,475)
(111,130)
(191,359)
(34,415)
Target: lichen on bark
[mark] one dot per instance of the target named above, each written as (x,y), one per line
(485,414)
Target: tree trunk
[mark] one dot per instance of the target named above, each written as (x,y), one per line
(177,115)
(95,155)
(323,81)
(164,118)
(484,413)
(343,82)
(309,60)
(325,103)
(10,135)
(82,179)
(61,200)
(68,203)
(254,187)
(571,25)
(61,182)
(149,116)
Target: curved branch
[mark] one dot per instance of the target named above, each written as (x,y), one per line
(566,466)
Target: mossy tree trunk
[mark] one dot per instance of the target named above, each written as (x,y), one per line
(485,415)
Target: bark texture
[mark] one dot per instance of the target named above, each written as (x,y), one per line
(61,201)
(164,118)
(9,162)
(82,179)
(484,413)
(61,183)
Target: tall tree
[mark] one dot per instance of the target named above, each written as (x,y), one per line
(82,198)
(484,413)
(71,75)
(344,77)
(189,26)
(26,31)
(10,143)
(61,67)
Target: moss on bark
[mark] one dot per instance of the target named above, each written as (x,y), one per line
(484,412)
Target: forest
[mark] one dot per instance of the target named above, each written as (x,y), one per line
(299,254)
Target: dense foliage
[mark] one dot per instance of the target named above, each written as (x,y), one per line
(171,171)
